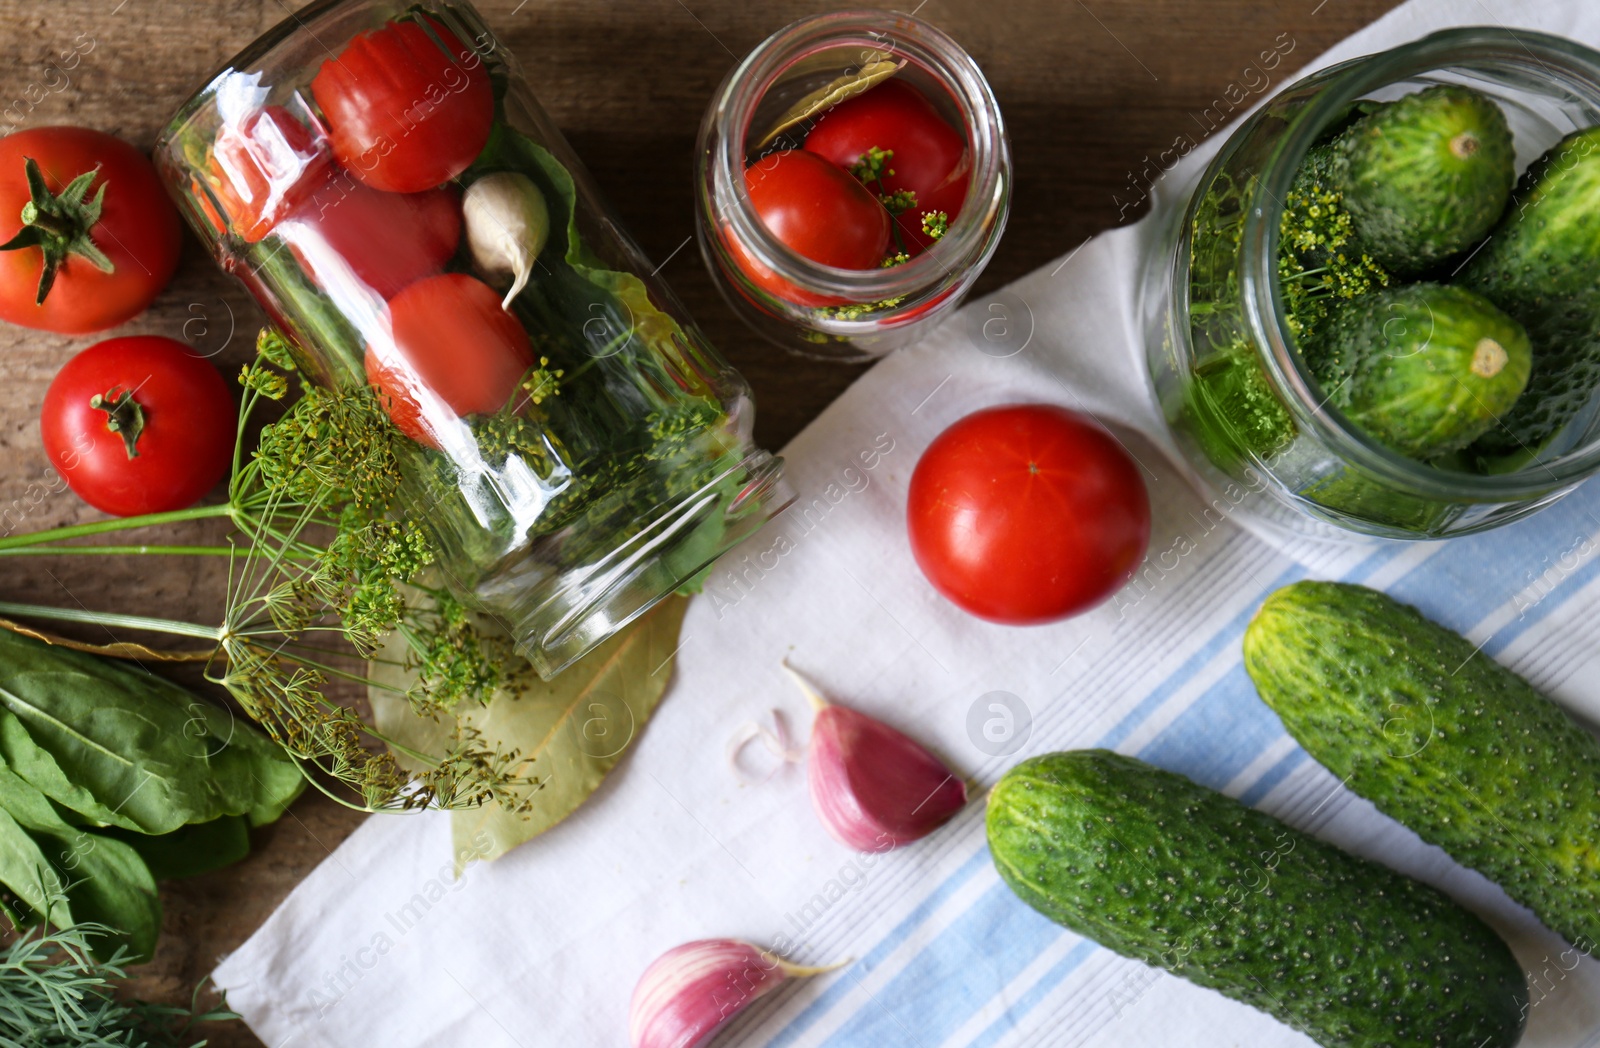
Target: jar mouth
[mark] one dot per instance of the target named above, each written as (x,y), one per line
(920,44)
(1572,66)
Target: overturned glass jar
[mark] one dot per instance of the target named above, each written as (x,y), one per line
(380,177)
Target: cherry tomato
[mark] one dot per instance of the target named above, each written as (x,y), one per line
(930,157)
(405,113)
(384,241)
(263,167)
(818,210)
(139,425)
(454,349)
(96,265)
(1027,513)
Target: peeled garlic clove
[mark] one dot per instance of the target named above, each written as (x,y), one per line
(691,991)
(873,787)
(507,224)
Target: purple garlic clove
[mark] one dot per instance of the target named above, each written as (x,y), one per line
(691,991)
(873,787)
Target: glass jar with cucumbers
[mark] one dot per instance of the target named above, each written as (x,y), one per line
(379,175)
(1380,311)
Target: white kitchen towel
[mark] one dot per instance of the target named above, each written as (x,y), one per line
(380,945)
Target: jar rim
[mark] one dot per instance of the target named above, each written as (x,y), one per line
(1576,68)
(970,235)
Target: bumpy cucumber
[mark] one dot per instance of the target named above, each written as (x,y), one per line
(1427,177)
(1545,254)
(1542,265)
(1157,868)
(1441,738)
(1423,368)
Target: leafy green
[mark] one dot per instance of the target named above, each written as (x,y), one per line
(195,849)
(103,880)
(26,873)
(148,752)
(568,733)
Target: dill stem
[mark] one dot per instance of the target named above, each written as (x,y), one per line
(101,527)
(111,618)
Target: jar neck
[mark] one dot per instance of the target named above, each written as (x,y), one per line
(728,125)
(1473,55)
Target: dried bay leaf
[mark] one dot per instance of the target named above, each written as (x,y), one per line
(570,731)
(875,70)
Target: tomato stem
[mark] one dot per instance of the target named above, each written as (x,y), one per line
(124,417)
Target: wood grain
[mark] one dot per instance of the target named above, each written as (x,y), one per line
(1093,91)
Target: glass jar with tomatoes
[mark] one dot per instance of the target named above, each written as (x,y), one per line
(853,179)
(379,175)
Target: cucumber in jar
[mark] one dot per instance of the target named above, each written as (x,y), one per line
(1424,369)
(1427,177)
(1542,265)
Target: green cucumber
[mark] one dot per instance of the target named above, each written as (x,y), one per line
(1157,868)
(1424,369)
(1427,177)
(1542,265)
(1441,738)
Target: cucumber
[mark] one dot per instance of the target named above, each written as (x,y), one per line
(1427,177)
(1542,265)
(1424,369)
(1170,873)
(1545,255)
(1442,739)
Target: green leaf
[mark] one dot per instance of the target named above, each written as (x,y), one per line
(195,849)
(571,731)
(105,880)
(150,755)
(28,874)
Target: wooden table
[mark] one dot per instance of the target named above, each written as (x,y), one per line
(1093,91)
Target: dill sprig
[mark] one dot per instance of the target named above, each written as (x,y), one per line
(54,994)
(1320,257)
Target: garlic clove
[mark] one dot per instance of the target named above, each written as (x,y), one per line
(875,788)
(507,224)
(691,991)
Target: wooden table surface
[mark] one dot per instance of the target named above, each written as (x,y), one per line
(1093,92)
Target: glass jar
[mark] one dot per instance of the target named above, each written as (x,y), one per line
(820,310)
(1227,373)
(380,177)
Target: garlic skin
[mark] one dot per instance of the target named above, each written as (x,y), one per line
(692,991)
(873,787)
(507,223)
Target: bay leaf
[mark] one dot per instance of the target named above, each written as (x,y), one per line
(877,68)
(570,732)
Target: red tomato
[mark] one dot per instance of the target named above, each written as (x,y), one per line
(818,210)
(404,113)
(174,425)
(930,157)
(1027,513)
(136,230)
(452,343)
(383,241)
(263,167)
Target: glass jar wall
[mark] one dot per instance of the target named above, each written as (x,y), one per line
(379,175)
